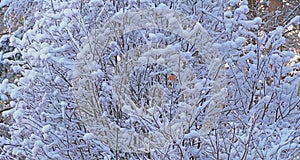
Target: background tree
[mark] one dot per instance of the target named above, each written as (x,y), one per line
(278,13)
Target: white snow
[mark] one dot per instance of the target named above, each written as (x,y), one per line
(4,3)
(257,20)
(296,20)
(240,41)
(63,104)
(46,128)
(192,134)
(58,80)
(228,14)
(3,97)
(18,115)
(68,12)
(88,136)
(17,68)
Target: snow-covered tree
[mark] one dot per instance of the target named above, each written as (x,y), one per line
(261,119)
(46,125)
(96,81)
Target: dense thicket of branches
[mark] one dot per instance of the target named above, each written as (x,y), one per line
(260,116)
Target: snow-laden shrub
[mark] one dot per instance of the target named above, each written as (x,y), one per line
(259,118)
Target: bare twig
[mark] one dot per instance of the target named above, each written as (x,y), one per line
(6,109)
